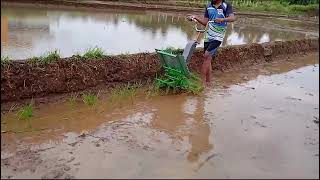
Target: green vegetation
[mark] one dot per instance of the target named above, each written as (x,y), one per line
(152,90)
(291,7)
(46,59)
(301,2)
(93,53)
(278,6)
(174,79)
(89,99)
(124,92)
(77,55)
(26,111)
(173,50)
(53,56)
(72,99)
(5,60)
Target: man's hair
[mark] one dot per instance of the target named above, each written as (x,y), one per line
(221,1)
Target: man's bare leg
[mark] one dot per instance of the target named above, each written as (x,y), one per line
(206,68)
(209,73)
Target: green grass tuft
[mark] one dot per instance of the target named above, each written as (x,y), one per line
(72,99)
(90,99)
(93,53)
(280,6)
(175,80)
(152,90)
(26,112)
(172,50)
(5,60)
(124,92)
(46,59)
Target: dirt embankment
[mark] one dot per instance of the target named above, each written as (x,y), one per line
(21,80)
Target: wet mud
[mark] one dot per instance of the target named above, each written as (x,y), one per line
(256,122)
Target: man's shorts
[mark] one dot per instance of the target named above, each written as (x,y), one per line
(212,46)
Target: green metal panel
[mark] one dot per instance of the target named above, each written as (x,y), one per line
(177,74)
(173,61)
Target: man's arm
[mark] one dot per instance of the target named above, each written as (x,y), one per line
(230,15)
(202,21)
(230,18)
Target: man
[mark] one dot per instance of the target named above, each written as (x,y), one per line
(217,14)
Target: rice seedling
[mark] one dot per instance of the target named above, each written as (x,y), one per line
(77,56)
(174,79)
(46,59)
(72,99)
(152,90)
(89,99)
(93,53)
(5,60)
(26,112)
(125,92)
(172,50)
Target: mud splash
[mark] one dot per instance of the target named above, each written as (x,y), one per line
(256,122)
(21,80)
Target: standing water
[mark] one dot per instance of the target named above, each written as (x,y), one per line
(261,122)
(27,32)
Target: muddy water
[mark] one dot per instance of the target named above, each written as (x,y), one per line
(27,32)
(261,122)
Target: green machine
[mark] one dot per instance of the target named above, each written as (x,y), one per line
(177,74)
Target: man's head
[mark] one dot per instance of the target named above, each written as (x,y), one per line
(216,1)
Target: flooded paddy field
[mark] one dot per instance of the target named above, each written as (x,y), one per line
(258,119)
(28,31)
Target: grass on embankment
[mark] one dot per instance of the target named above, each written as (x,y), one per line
(283,7)
(5,60)
(91,53)
(53,56)
(179,80)
(46,59)
(275,7)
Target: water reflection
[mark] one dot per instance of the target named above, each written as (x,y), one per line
(4,31)
(185,119)
(27,32)
(200,134)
